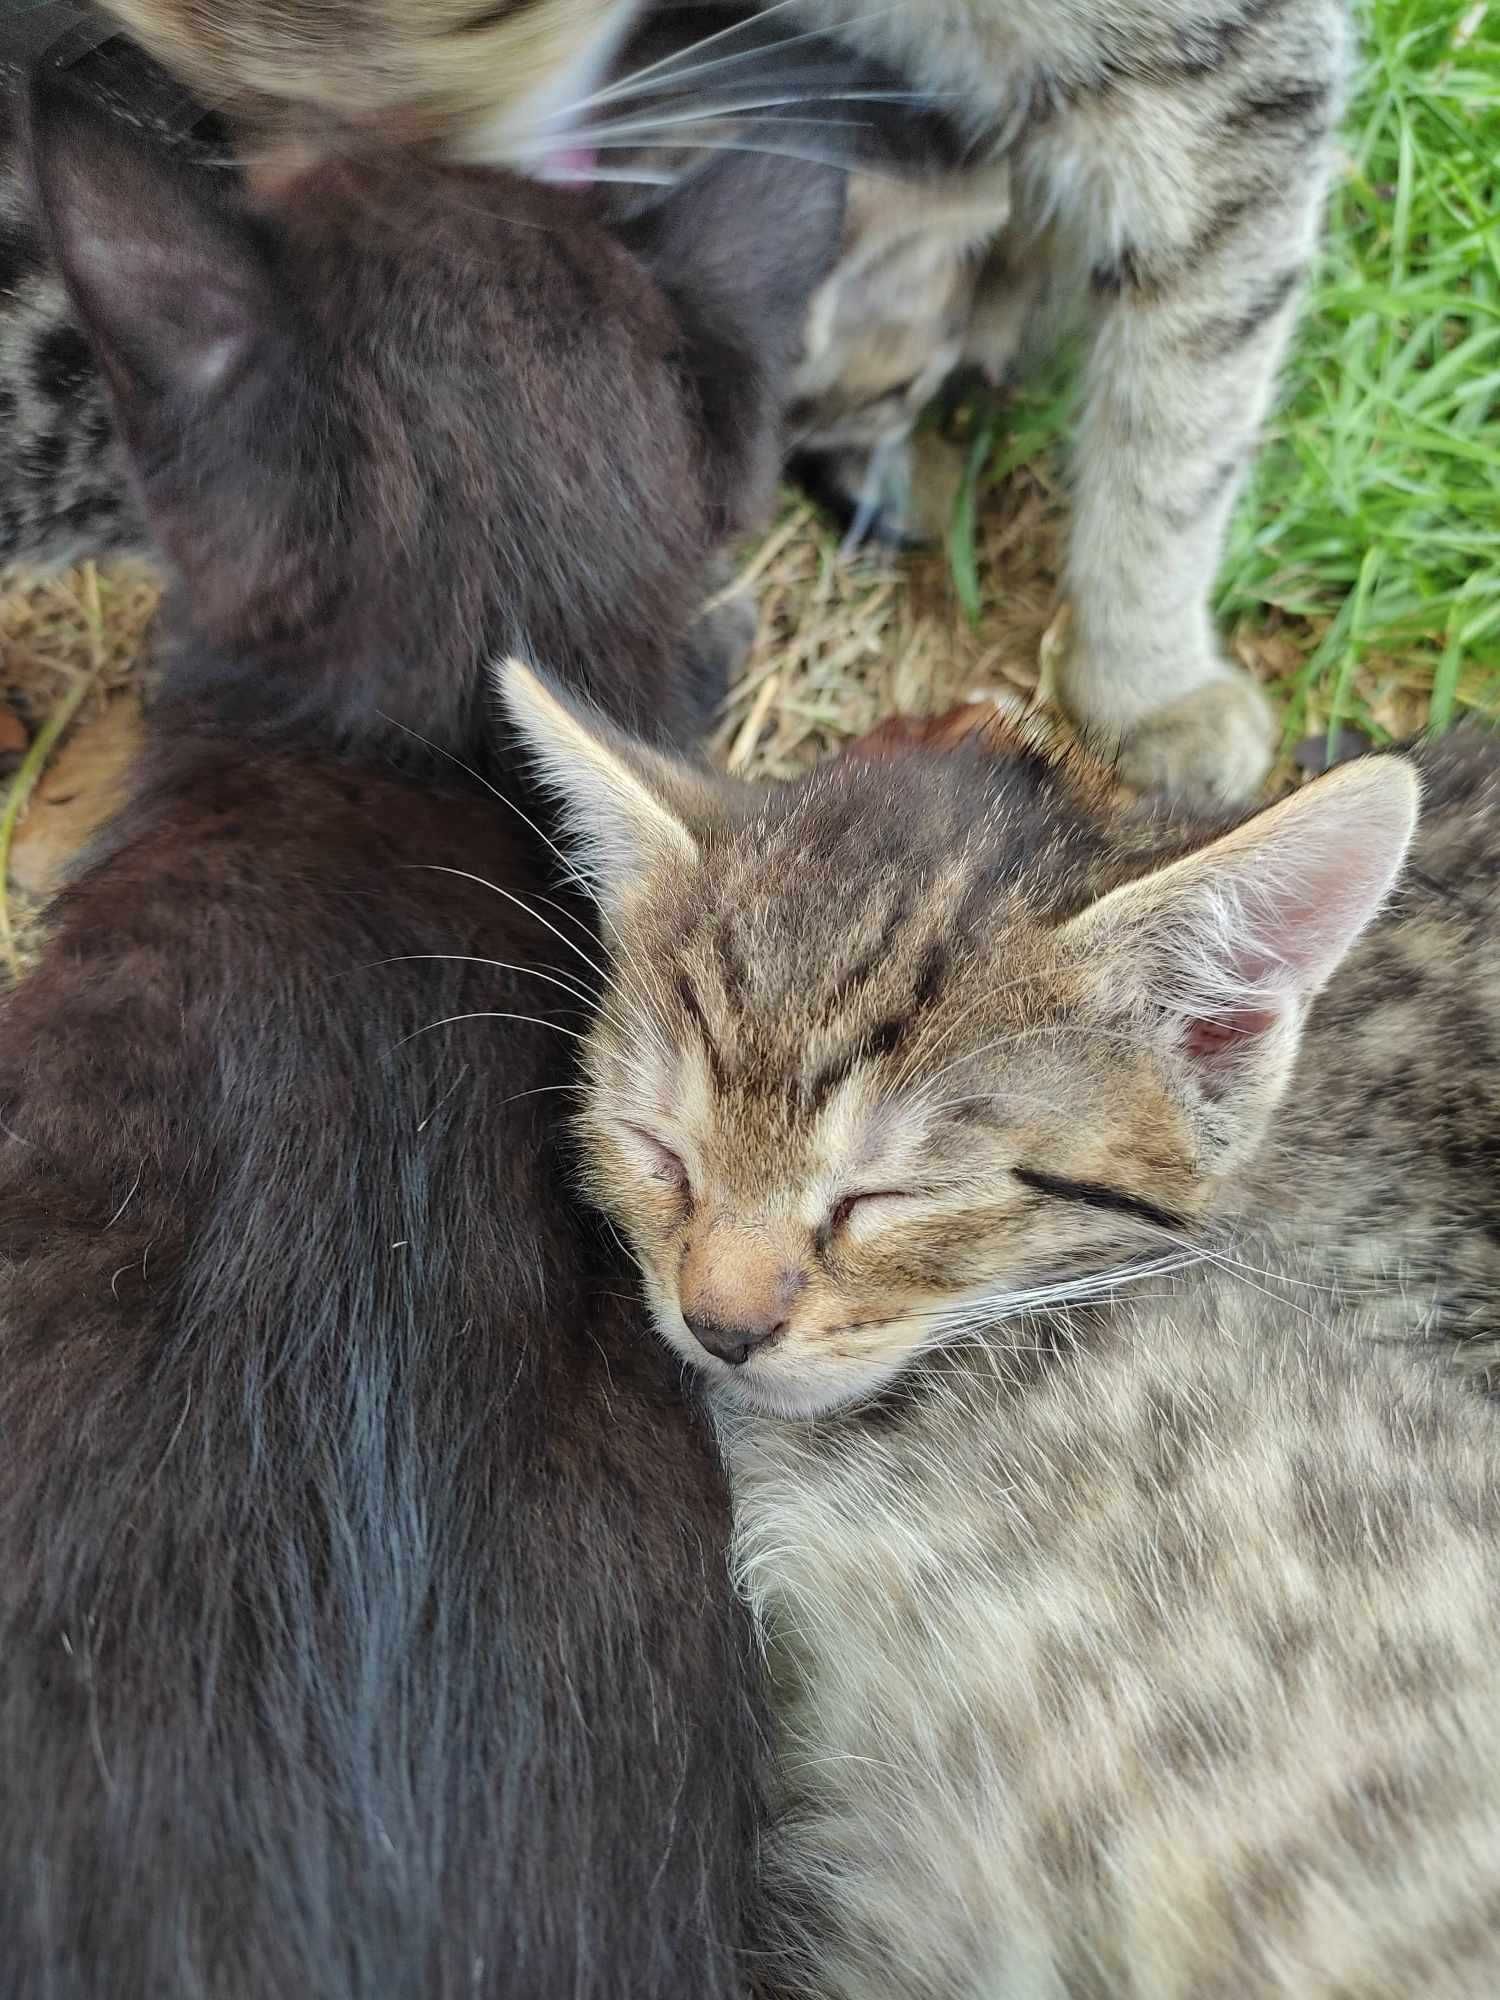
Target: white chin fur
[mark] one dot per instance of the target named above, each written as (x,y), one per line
(773,1385)
(767,1388)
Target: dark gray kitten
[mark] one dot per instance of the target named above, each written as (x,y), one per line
(364,1616)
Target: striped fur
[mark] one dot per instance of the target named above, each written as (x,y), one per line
(1169,160)
(1130,1599)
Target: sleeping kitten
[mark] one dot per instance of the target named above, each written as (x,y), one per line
(1162,163)
(1407,1195)
(363,1605)
(1132,1596)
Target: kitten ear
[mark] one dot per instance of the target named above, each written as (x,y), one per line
(628,809)
(749,238)
(170,282)
(1229,946)
(740,246)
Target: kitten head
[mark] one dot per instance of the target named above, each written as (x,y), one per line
(388,418)
(910,1045)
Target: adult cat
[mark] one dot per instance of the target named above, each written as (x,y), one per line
(362,1598)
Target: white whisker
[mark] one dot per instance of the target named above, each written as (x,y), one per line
(997,1308)
(645,128)
(489,1014)
(570,872)
(424,1122)
(628,177)
(747,146)
(520,903)
(630,85)
(586,996)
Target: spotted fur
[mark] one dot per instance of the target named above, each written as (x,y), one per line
(1131,1597)
(64,490)
(1145,1653)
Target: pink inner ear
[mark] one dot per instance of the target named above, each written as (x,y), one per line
(1225,1034)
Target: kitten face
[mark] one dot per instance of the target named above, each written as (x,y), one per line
(860,1088)
(927,1042)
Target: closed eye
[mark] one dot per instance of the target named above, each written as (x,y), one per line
(657,1158)
(849,1205)
(1097,1194)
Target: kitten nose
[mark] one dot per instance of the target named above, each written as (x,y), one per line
(734,1344)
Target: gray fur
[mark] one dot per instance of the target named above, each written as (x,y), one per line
(1383,1164)
(65,492)
(1169,164)
(1147,1655)
(63,487)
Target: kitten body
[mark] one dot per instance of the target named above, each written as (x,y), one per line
(363,1600)
(1168,163)
(1130,1598)
(1148,1654)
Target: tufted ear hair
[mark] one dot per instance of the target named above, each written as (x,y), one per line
(629,811)
(1225,949)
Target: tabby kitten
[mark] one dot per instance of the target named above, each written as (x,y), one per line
(1169,161)
(365,1619)
(1132,1614)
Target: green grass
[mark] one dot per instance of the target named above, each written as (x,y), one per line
(1372,520)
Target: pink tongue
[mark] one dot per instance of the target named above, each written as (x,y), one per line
(572,165)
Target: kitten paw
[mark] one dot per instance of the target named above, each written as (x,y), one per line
(1212,747)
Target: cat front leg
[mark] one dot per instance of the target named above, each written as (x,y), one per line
(1196,220)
